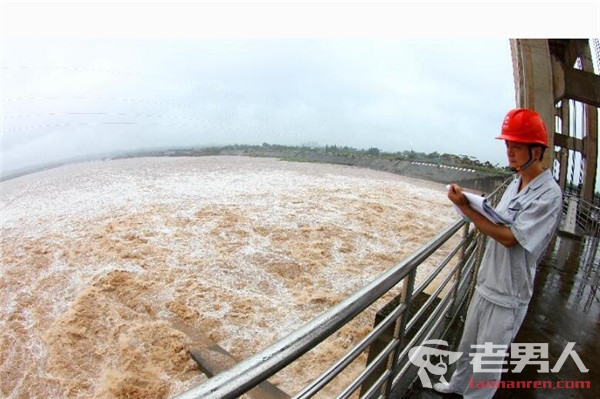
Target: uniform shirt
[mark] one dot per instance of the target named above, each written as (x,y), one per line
(506,275)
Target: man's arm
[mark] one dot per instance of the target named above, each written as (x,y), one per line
(500,233)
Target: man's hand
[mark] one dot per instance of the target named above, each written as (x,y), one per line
(502,234)
(456,195)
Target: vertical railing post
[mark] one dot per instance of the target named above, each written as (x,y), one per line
(458,277)
(400,326)
(479,250)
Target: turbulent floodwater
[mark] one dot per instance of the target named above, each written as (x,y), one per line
(99,259)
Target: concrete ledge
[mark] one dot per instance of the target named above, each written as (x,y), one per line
(213,359)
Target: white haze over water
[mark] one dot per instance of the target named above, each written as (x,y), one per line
(64,98)
(84,78)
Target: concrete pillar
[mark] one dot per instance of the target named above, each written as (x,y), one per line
(563,155)
(590,146)
(532,70)
(545,75)
(570,221)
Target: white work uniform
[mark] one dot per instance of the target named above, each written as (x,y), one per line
(505,279)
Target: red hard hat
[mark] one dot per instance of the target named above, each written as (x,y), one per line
(524,126)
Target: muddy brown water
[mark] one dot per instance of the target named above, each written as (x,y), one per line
(98,257)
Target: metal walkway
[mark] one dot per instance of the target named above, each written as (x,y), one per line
(565,308)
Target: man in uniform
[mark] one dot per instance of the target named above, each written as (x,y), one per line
(532,202)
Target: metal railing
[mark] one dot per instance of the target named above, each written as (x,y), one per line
(388,343)
(586,216)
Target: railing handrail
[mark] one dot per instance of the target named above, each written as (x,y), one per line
(253,370)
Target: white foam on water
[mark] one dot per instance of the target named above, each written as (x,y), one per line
(245,250)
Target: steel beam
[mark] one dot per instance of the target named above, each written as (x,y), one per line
(559,71)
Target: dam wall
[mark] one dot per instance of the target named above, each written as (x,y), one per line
(474,179)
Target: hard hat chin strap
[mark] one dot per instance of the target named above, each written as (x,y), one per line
(526,164)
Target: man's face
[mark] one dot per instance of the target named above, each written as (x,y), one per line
(517,153)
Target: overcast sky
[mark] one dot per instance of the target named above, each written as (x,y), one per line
(88,78)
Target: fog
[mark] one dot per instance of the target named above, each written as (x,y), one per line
(66,98)
(85,79)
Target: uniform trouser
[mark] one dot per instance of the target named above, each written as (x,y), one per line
(486,322)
